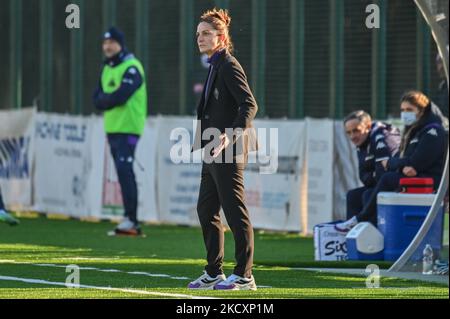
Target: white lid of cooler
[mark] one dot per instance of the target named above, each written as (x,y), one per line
(369,240)
(402,199)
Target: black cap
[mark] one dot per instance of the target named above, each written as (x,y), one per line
(115,34)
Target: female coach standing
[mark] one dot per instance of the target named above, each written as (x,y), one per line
(227,103)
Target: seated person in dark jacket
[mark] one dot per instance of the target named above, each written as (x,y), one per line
(376,143)
(422,152)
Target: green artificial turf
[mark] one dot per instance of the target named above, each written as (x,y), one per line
(40,249)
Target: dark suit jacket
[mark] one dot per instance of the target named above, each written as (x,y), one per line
(229,103)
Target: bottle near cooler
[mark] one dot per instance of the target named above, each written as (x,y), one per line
(427,260)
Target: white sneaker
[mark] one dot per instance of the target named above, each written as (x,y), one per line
(235,282)
(346,226)
(206,282)
(126,224)
(127,228)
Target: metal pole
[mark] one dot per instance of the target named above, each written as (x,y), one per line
(109,13)
(46,55)
(423,68)
(378,104)
(76,63)
(336,59)
(186,54)
(297,60)
(259,53)
(142,31)
(15,67)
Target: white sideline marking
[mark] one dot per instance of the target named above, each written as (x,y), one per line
(142,273)
(135,291)
(93,258)
(148,274)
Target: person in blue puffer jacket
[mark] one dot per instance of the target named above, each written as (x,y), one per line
(375,143)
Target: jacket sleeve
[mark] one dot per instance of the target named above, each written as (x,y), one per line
(131,82)
(430,147)
(396,163)
(236,82)
(381,153)
(99,99)
(381,148)
(366,170)
(367,178)
(425,153)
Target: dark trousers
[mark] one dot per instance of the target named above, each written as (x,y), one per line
(123,147)
(356,200)
(388,182)
(223,185)
(2,205)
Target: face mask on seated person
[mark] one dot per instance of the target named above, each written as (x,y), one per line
(408,118)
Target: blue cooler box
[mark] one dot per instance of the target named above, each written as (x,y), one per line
(400,217)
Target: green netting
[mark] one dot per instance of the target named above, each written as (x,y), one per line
(288,82)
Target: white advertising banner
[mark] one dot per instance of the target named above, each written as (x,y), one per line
(179,181)
(145,172)
(297,179)
(69,165)
(272,179)
(319,171)
(16,157)
(329,244)
(345,168)
(273,183)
